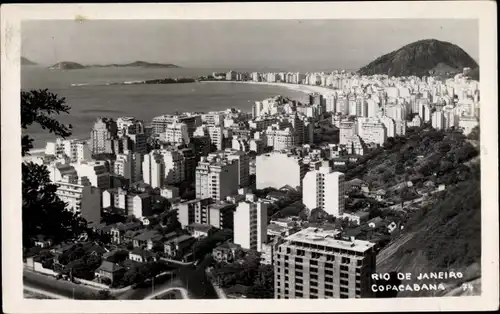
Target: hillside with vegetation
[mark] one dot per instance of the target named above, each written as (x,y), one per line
(444,232)
(421,58)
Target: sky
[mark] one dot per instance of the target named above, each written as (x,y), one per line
(298,44)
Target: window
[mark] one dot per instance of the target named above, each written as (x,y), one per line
(299,260)
(346,260)
(343,290)
(329,272)
(329,265)
(359,262)
(298,280)
(313,270)
(358,285)
(328,293)
(299,294)
(328,287)
(344,296)
(344,275)
(288,250)
(314,277)
(299,267)
(314,262)
(343,267)
(344,282)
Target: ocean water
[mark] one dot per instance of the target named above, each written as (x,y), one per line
(144,102)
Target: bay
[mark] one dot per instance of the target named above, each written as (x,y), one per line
(144,102)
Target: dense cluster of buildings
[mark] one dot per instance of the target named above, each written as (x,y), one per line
(224,156)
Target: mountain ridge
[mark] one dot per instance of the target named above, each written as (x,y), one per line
(421,58)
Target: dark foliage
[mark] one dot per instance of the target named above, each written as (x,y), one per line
(43,212)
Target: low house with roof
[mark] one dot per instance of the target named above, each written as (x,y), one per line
(178,246)
(376,222)
(199,230)
(358,217)
(42,241)
(119,230)
(141,256)
(380,194)
(227,252)
(141,240)
(159,242)
(109,270)
(276,196)
(392,226)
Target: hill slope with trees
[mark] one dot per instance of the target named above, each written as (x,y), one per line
(445,233)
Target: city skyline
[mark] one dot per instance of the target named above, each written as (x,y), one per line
(249,44)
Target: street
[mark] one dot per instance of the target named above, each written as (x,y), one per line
(186,278)
(58,287)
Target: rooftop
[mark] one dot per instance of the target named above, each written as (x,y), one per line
(316,236)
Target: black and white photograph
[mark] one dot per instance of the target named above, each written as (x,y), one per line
(174,156)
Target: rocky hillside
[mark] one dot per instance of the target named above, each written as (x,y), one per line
(421,58)
(26,61)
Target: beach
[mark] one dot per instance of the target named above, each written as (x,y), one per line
(294,87)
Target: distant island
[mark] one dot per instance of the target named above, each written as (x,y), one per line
(65,65)
(421,58)
(142,64)
(26,61)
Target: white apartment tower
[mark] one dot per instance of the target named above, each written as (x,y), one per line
(324,188)
(278,169)
(216,179)
(250,222)
(153,169)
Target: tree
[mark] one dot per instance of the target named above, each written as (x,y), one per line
(42,210)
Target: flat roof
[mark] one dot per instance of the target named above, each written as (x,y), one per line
(323,237)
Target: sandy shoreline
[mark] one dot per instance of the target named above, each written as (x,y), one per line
(295,87)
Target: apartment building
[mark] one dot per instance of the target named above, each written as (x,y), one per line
(80,197)
(323,264)
(278,169)
(324,189)
(250,221)
(175,133)
(217,178)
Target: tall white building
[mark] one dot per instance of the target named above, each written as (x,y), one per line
(280,139)
(250,223)
(95,171)
(75,150)
(330,103)
(324,188)
(372,131)
(80,197)
(213,118)
(438,120)
(153,169)
(216,179)
(216,134)
(278,169)
(390,125)
(176,133)
(129,166)
(174,164)
(241,158)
